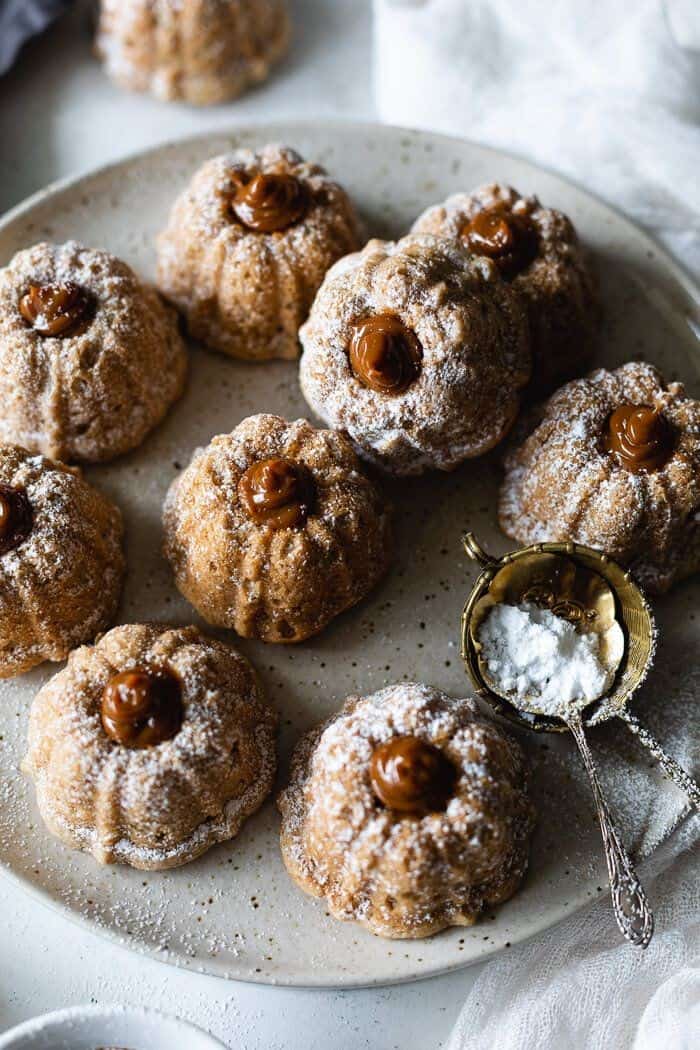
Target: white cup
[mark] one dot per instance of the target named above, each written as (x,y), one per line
(97,1027)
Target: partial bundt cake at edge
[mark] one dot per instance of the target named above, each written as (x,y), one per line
(61,560)
(419,351)
(198,51)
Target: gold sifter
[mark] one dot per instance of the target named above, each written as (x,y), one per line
(587,588)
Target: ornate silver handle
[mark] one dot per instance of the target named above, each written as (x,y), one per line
(673,770)
(629,901)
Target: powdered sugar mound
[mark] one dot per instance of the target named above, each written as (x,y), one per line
(542,659)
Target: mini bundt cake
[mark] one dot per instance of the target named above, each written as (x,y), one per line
(61,560)
(247,246)
(538,252)
(408,812)
(418,351)
(274,530)
(613,464)
(90,358)
(150,746)
(197,51)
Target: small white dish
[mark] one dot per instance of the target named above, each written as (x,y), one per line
(107,1028)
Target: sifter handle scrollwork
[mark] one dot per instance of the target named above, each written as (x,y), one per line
(630,905)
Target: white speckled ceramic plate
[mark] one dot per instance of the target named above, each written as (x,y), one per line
(235,912)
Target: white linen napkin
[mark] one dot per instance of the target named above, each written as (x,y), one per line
(607,92)
(601,91)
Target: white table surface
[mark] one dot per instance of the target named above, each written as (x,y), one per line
(59,115)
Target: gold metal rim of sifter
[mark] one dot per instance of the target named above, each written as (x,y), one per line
(633,614)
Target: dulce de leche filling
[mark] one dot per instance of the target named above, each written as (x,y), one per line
(141,708)
(15,518)
(268,203)
(277,492)
(385,355)
(509,239)
(411,776)
(640,438)
(56,309)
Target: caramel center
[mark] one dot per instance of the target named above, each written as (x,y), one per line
(142,708)
(640,437)
(510,240)
(385,355)
(15,518)
(55,309)
(277,492)
(268,203)
(411,776)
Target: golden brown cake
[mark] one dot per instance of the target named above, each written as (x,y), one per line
(90,358)
(196,51)
(273,530)
(150,746)
(61,560)
(538,252)
(408,812)
(418,351)
(247,246)
(613,464)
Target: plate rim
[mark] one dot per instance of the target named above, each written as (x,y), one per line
(67,182)
(665,261)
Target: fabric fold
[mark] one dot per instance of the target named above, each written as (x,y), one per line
(609,95)
(604,94)
(22,19)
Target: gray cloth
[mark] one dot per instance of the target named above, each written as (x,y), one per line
(22,19)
